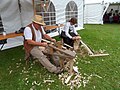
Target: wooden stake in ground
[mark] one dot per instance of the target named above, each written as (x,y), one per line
(90,52)
(96,55)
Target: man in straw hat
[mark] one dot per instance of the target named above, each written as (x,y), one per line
(33,34)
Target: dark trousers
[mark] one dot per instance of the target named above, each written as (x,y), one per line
(69,41)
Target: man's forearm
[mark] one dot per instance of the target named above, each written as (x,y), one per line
(47,37)
(31,42)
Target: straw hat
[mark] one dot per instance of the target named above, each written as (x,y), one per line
(38,19)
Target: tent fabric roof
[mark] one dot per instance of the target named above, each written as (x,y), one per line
(99,1)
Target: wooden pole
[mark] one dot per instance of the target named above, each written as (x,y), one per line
(34,7)
(97,55)
(89,51)
(19,4)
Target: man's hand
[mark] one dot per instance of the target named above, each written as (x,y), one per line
(73,38)
(44,44)
(76,38)
(53,40)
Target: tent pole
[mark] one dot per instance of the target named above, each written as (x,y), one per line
(118,7)
(34,7)
(19,5)
(83,11)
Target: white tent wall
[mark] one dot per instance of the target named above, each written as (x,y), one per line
(10,15)
(13,20)
(9,12)
(93,13)
(60,6)
(26,11)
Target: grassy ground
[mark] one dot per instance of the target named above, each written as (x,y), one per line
(105,71)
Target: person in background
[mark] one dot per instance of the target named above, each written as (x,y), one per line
(119,17)
(34,46)
(111,12)
(70,32)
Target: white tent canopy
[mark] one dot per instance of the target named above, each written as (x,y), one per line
(94,12)
(13,18)
(99,1)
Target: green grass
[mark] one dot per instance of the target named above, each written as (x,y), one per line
(15,75)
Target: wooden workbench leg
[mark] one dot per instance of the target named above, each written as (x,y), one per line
(61,63)
(71,62)
(51,50)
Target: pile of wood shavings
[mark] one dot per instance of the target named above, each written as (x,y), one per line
(76,80)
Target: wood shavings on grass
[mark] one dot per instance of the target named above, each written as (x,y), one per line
(96,75)
(74,81)
(24,71)
(48,81)
(83,61)
(13,59)
(18,65)
(32,88)
(100,51)
(20,59)
(36,83)
(94,87)
(10,71)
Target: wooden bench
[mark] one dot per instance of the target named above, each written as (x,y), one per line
(52,27)
(13,35)
(10,35)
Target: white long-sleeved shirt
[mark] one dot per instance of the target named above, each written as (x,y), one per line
(70,27)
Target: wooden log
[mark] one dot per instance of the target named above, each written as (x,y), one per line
(44,40)
(71,62)
(61,61)
(76,44)
(67,52)
(51,50)
(59,44)
(61,55)
(68,45)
